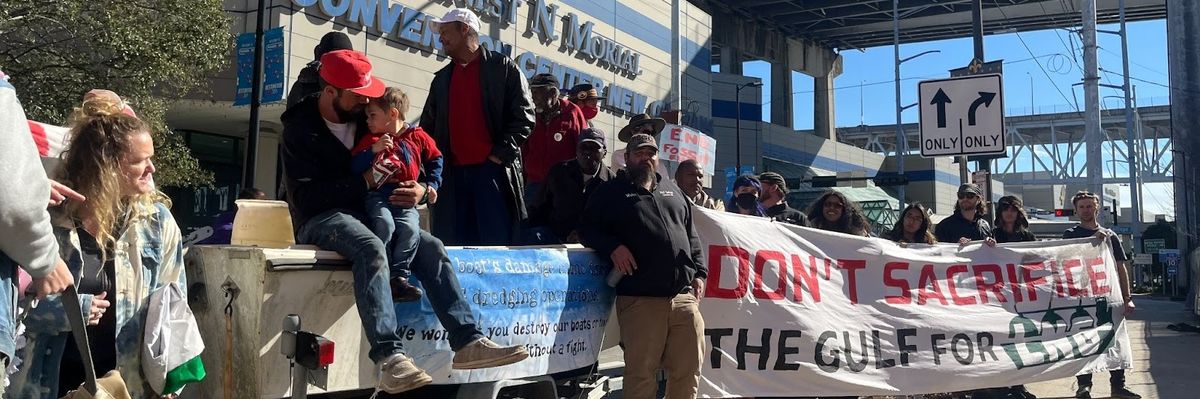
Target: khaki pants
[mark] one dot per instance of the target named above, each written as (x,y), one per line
(665,333)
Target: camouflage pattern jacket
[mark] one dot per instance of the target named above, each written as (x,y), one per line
(147,255)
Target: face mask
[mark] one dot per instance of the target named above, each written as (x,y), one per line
(746,201)
(590,112)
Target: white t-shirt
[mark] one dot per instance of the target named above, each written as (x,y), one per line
(343,131)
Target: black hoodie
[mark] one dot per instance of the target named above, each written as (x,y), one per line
(655,225)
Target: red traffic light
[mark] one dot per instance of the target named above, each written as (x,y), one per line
(1064,212)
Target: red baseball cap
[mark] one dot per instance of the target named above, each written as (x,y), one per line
(351,70)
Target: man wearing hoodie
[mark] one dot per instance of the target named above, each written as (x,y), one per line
(27,240)
(309,80)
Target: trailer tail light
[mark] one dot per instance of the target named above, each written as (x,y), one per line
(313,351)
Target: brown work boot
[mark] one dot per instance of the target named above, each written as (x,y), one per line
(403,291)
(483,353)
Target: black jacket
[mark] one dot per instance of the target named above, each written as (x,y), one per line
(781,212)
(657,228)
(563,196)
(1020,236)
(508,110)
(955,227)
(307,83)
(317,165)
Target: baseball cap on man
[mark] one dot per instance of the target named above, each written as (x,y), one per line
(584,91)
(463,15)
(641,140)
(351,70)
(592,134)
(543,80)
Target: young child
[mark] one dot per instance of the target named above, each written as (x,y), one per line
(396,152)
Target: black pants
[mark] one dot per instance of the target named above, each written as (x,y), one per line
(1115,377)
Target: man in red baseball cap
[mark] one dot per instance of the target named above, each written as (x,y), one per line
(327,202)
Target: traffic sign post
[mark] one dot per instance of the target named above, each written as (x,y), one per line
(962,116)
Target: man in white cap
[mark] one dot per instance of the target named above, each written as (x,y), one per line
(480,113)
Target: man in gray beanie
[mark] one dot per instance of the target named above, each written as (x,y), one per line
(774,200)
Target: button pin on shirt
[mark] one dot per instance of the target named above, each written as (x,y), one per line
(558,136)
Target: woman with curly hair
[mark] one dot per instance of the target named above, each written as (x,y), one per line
(913,226)
(121,243)
(834,212)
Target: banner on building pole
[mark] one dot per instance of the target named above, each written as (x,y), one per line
(794,311)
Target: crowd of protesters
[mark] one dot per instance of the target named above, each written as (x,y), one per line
(498,159)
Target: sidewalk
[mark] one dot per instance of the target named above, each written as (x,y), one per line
(1166,363)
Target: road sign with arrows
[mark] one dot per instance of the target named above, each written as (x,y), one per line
(962,116)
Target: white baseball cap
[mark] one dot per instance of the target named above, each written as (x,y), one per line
(463,15)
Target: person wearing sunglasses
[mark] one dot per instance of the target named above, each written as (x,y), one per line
(969,222)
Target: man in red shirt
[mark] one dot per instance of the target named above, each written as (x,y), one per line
(554,136)
(480,114)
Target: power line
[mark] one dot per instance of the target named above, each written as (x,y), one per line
(1030,51)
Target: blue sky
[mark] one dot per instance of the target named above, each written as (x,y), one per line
(1050,61)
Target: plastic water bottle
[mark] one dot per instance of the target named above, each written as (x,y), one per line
(614,277)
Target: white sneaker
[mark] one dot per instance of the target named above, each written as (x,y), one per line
(397,374)
(483,353)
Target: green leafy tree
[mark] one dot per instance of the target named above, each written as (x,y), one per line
(150,52)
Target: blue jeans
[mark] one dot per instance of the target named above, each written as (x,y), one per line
(340,231)
(397,227)
(8,308)
(482,216)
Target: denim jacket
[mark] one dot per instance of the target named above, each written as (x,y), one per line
(147,255)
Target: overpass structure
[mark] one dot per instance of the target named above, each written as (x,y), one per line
(1047,149)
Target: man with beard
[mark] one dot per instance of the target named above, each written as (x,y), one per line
(690,178)
(1087,208)
(555,136)
(644,224)
(479,113)
(569,184)
(587,98)
(968,222)
(774,200)
(327,204)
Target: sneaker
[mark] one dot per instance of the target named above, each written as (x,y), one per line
(1084,392)
(403,291)
(397,374)
(1124,393)
(483,353)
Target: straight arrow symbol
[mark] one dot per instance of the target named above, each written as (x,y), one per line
(941,99)
(985,99)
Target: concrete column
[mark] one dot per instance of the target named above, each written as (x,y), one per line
(824,123)
(1183,48)
(731,59)
(781,94)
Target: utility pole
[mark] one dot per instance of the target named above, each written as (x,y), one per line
(901,138)
(1131,141)
(1091,101)
(984,165)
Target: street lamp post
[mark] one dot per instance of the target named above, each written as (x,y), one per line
(901,136)
(737,92)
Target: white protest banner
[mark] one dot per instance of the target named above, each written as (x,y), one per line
(679,143)
(792,311)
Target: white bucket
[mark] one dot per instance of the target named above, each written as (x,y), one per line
(262,223)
